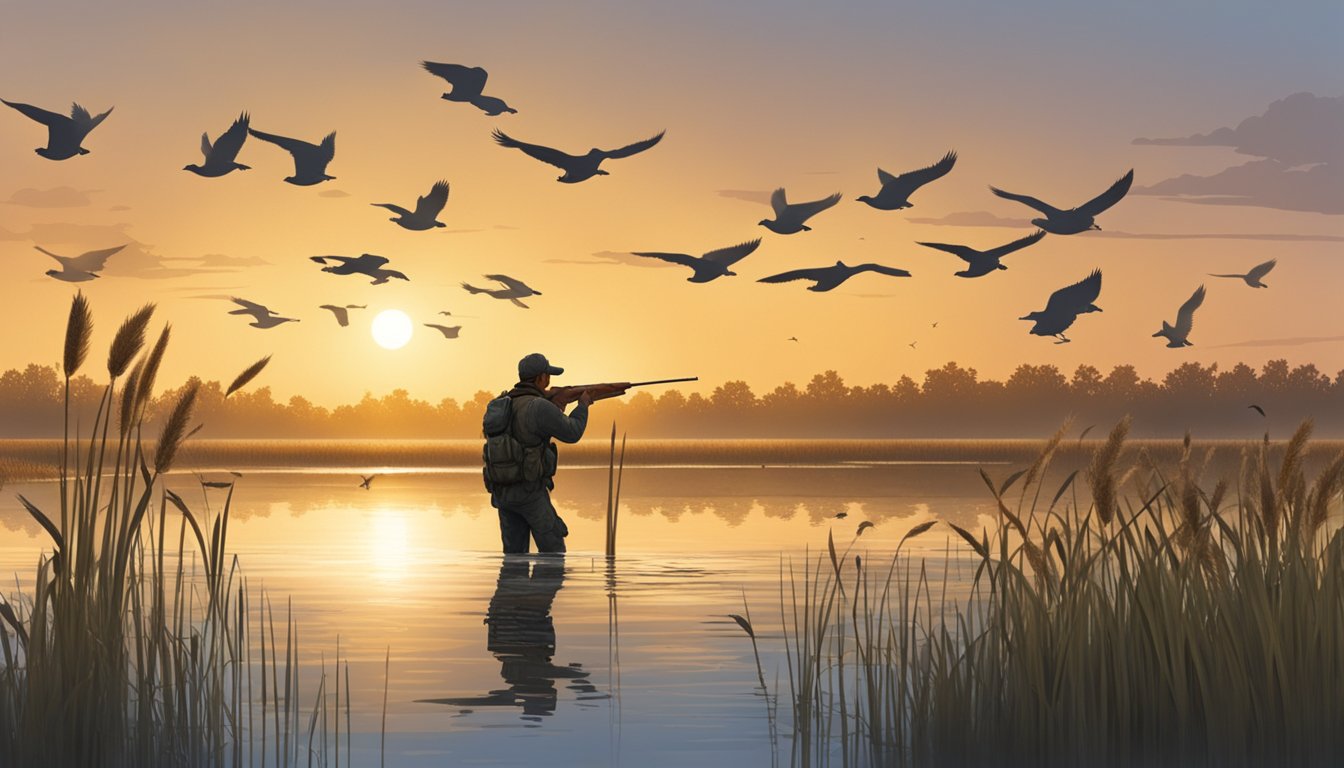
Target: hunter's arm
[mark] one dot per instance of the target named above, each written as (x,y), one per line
(551,420)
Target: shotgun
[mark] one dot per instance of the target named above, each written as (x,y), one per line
(563,396)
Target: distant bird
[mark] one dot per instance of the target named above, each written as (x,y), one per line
(513,290)
(366,264)
(262,317)
(912,344)
(896,190)
(826,278)
(1065,305)
(1252,278)
(792,338)
(448,331)
(81,268)
(468,84)
(310,160)
(980,263)
(1074,220)
(1257,409)
(450,314)
(1185,320)
(342,313)
(841,515)
(222,156)
(576,167)
(426,211)
(790,218)
(365,480)
(935,323)
(712,264)
(64,134)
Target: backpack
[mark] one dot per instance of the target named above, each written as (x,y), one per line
(507,460)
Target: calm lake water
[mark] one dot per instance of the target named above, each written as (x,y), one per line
(576,665)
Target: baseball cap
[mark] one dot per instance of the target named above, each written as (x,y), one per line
(534,365)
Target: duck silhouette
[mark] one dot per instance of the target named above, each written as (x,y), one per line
(367,264)
(1177,335)
(221,157)
(896,190)
(513,289)
(262,316)
(1065,305)
(979,263)
(576,167)
(65,135)
(310,160)
(448,331)
(427,209)
(342,313)
(1252,278)
(711,265)
(81,268)
(468,84)
(826,278)
(791,218)
(1074,220)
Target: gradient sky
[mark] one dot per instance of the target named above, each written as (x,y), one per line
(1038,97)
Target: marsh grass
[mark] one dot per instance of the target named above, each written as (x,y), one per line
(1146,619)
(139,644)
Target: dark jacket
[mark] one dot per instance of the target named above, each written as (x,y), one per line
(538,420)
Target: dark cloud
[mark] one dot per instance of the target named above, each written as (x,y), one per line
(1301,142)
(333,193)
(615,257)
(750,195)
(137,259)
(56,197)
(1295,341)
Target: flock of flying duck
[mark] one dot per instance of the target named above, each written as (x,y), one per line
(66,134)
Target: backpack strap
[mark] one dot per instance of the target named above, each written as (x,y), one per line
(518,402)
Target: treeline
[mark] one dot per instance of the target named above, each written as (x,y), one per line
(950,402)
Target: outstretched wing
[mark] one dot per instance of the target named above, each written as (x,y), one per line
(1108,198)
(806,211)
(915,179)
(430,204)
(323,259)
(733,253)
(1074,297)
(292,146)
(466,81)
(966,253)
(92,261)
(544,154)
(1260,270)
(882,270)
(251,306)
(813,273)
(1185,316)
(685,259)
(85,120)
(778,201)
(1043,207)
(229,142)
(509,282)
(44,116)
(1019,244)
(634,149)
(368,261)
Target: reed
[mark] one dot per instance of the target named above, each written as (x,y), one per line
(1145,621)
(615,471)
(125,653)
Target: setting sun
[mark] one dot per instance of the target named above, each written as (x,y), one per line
(392,329)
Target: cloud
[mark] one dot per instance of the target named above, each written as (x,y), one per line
(1300,140)
(136,260)
(1295,341)
(970,219)
(333,193)
(615,257)
(56,197)
(750,195)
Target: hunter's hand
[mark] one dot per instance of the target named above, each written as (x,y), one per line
(585,398)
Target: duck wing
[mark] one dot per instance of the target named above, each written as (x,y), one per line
(367,261)
(1185,316)
(805,211)
(1108,198)
(1043,207)
(225,148)
(1260,270)
(633,149)
(84,120)
(1074,297)
(913,180)
(510,283)
(92,261)
(429,205)
(251,306)
(44,116)
(466,81)
(815,274)
(881,270)
(779,202)
(733,253)
(684,259)
(544,154)
(293,146)
(966,253)
(1017,245)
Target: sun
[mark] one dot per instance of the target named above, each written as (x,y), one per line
(392,328)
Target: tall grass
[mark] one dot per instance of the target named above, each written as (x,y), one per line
(125,653)
(1150,621)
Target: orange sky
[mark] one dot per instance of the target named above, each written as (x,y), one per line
(1044,101)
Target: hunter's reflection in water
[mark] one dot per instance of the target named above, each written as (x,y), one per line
(522,637)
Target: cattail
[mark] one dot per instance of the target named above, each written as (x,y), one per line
(145,387)
(1328,484)
(78,332)
(128,341)
(174,431)
(128,395)
(1043,459)
(247,375)
(1101,473)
